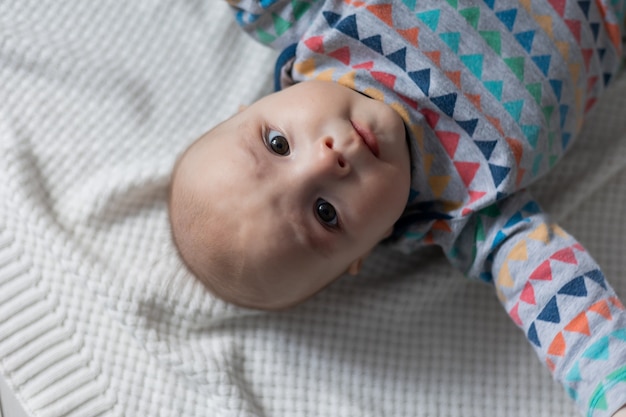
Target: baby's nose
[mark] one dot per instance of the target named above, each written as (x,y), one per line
(333,159)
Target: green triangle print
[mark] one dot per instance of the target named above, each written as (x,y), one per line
(430,18)
(453,3)
(598,401)
(472,15)
(535,90)
(299,8)
(410,3)
(516,64)
(452,39)
(495,88)
(264,37)
(280,25)
(492,38)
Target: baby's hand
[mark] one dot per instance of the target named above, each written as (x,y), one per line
(621,412)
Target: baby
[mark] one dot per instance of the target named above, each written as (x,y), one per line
(417,123)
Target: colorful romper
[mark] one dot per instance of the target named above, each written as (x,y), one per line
(492,92)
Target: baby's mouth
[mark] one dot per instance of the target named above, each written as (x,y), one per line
(369,139)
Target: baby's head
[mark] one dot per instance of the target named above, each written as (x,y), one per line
(278,201)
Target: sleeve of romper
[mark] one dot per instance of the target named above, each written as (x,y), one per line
(276,23)
(555,292)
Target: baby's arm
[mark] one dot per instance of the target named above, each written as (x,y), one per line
(556,293)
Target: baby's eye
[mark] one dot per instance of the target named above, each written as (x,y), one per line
(326,213)
(277,143)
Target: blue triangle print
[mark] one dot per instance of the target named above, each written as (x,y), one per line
(515,219)
(563,109)
(601,52)
(550,312)
(514,108)
(349,27)
(584,5)
(599,351)
(543,62)
(500,236)
(532,335)
(331,18)
(574,374)
(607,78)
(486,277)
(413,194)
(486,147)
(468,125)
(452,39)
(597,276)
(267,3)
(498,173)
(495,88)
(526,39)
(557,86)
(595,28)
(374,42)
(446,103)
(575,287)
(501,196)
(565,137)
(430,19)
(422,79)
(532,208)
(532,134)
(474,63)
(490,3)
(398,58)
(507,17)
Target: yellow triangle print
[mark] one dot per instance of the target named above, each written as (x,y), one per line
(545,21)
(541,233)
(438,184)
(347,80)
(559,232)
(563,49)
(305,67)
(504,277)
(519,252)
(428,163)
(399,108)
(326,75)
(374,93)
(526,4)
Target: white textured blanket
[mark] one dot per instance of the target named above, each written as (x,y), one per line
(97,316)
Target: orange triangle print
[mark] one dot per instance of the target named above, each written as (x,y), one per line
(602,308)
(382,11)
(441,225)
(410,35)
(455,77)
(475,99)
(580,324)
(557,347)
(434,56)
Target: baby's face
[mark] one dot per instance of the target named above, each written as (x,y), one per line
(296,189)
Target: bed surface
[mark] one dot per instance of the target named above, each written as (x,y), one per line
(97,314)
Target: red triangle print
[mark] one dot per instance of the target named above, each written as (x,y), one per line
(408,101)
(382,11)
(559,6)
(591,83)
(590,103)
(543,272)
(364,65)
(565,255)
(476,195)
(410,35)
(520,176)
(528,294)
(587,54)
(431,117)
(315,44)
(514,313)
(441,225)
(385,78)
(579,247)
(574,27)
(342,54)
(449,140)
(467,171)
(434,56)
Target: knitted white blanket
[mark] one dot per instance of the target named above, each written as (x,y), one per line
(97,316)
